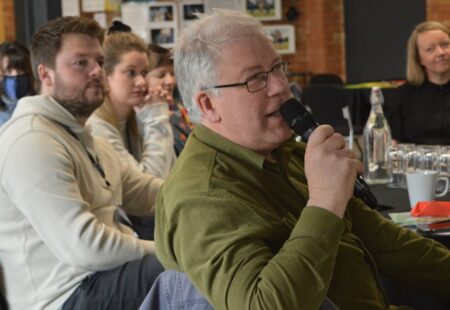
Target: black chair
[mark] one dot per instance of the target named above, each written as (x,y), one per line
(326,105)
(325,98)
(3,303)
(330,79)
(329,106)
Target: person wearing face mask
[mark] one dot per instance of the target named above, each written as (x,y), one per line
(133,120)
(162,82)
(64,240)
(17,79)
(419,111)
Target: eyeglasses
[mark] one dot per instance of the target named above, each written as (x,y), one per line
(259,80)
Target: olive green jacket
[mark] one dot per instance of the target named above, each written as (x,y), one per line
(238,225)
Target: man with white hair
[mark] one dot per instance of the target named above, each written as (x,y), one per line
(257,220)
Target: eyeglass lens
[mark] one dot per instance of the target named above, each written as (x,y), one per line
(259,81)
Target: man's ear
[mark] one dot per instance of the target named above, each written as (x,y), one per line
(207,107)
(46,76)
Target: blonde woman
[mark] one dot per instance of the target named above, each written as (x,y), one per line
(133,120)
(419,111)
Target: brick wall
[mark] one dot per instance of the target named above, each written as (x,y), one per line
(439,10)
(324,36)
(7,11)
(320,33)
(321,38)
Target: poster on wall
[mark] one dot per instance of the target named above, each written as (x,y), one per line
(263,9)
(164,36)
(283,37)
(135,15)
(70,8)
(162,23)
(162,13)
(112,5)
(101,19)
(93,5)
(223,4)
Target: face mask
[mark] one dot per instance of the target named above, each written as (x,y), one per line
(16,87)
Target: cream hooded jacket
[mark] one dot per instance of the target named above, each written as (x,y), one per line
(58,215)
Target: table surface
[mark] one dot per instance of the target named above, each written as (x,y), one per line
(396,199)
(393,200)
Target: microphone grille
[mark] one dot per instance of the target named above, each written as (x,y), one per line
(291,109)
(298,118)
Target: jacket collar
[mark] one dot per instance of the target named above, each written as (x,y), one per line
(233,150)
(435,88)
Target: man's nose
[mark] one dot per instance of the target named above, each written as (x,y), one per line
(276,85)
(97,71)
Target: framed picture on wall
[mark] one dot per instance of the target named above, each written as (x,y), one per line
(283,37)
(189,8)
(164,36)
(162,23)
(263,9)
(161,13)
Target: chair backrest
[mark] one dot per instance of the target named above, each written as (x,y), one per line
(3,303)
(326,104)
(326,79)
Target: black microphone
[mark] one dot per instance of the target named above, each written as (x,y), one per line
(303,123)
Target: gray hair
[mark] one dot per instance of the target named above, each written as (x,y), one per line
(198,49)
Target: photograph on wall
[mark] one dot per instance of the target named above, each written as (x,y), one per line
(283,37)
(223,4)
(162,12)
(263,9)
(163,23)
(188,10)
(163,36)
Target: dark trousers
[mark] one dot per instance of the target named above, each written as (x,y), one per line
(124,287)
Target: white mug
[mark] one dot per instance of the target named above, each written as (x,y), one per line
(422,185)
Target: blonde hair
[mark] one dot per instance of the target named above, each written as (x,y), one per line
(415,72)
(115,45)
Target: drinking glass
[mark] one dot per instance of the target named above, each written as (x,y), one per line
(444,162)
(428,157)
(396,161)
(410,155)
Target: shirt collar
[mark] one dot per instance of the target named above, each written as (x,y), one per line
(437,88)
(231,149)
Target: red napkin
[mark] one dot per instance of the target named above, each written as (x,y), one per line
(431,208)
